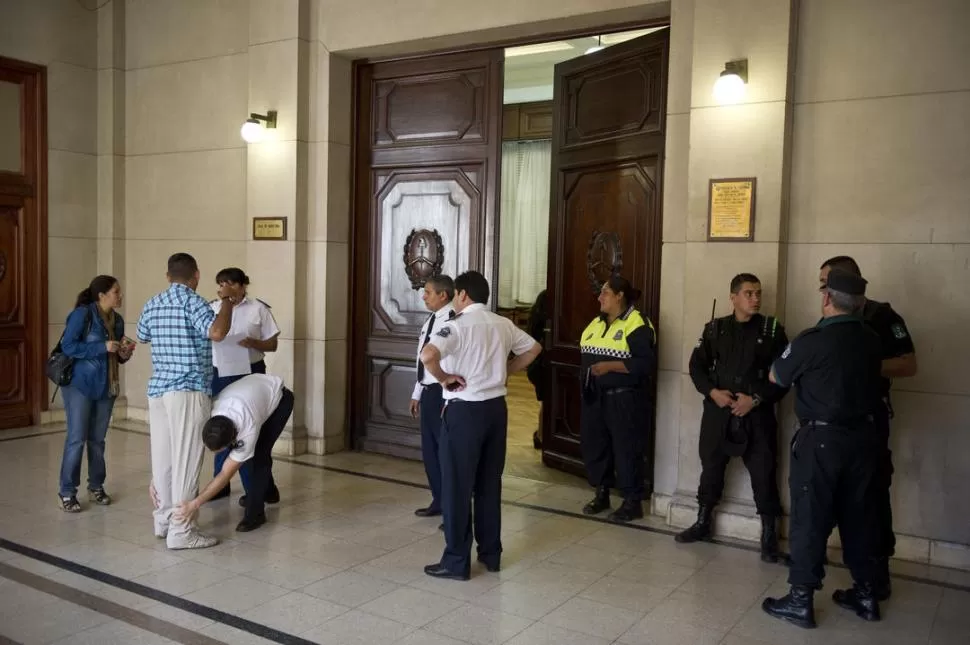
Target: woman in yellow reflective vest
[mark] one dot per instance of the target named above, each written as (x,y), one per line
(619,356)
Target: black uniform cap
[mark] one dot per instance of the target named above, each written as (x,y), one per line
(846,282)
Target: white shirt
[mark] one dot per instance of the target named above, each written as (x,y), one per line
(478,343)
(248,403)
(439,317)
(252,318)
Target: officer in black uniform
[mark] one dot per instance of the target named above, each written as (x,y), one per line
(619,357)
(898,360)
(834,367)
(730,366)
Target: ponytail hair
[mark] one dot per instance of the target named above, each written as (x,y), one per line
(619,284)
(100,284)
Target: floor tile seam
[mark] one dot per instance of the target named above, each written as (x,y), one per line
(107,608)
(166,598)
(557,512)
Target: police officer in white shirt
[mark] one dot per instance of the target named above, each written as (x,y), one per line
(474,425)
(426,400)
(247,419)
(253,319)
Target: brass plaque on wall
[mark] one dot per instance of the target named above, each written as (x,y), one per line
(730,210)
(269,228)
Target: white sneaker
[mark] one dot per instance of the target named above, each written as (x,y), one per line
(192,540)
(161,530)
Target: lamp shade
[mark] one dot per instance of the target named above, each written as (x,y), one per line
(729,88)
(251,131)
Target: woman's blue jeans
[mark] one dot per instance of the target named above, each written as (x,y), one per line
(87,424)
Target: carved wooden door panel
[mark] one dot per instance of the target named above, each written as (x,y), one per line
(426,182)
(608,144)
(23,239)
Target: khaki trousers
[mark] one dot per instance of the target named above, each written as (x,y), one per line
(175,425)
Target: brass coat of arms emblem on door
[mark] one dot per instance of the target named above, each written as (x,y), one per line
(604,258)
(424,255)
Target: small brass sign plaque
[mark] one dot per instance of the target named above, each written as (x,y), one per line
(269,228)
(731,210)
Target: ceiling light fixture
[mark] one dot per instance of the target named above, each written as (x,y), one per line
(252,130)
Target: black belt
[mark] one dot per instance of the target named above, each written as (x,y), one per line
(438,385)
(619,390)
(838,424)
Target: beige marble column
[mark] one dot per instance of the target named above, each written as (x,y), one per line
(750,139)
(276,186)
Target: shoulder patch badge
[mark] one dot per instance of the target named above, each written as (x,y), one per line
(444,332)
(787,352)
(899,331)
(618,335)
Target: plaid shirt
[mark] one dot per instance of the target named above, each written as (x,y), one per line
(176,322)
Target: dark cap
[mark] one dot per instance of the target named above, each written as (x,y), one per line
(846,282)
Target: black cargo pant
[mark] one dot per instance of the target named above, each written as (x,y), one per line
(262,461)
(831,473)
(760,458)
(613,436)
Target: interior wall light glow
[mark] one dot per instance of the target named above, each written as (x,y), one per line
(598,46)
(729,88)
(252,130)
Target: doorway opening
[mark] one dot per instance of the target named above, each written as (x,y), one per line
(541,167)
(525,192)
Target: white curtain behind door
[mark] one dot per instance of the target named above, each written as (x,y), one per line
(524,233)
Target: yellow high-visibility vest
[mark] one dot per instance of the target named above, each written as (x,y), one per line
(611,342)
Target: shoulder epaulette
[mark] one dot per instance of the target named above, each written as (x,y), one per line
(262,302)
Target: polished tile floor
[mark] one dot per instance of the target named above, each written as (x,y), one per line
(340,563)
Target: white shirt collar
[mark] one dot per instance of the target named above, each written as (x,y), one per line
(474,307)
(444,311)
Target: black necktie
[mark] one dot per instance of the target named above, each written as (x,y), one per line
(427,337)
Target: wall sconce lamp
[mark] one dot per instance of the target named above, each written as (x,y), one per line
(252,130)
(729,87)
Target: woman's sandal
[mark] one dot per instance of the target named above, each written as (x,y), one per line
(70,504)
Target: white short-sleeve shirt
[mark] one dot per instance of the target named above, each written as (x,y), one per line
(253,318)
(439,317)
(477,343)
(248,403)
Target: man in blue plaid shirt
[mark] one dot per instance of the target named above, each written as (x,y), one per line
(180,325)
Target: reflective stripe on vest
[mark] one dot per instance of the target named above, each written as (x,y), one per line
(611,342)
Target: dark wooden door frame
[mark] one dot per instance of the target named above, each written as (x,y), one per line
(31,184)
(360,198)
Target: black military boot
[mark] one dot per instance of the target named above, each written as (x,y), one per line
(769,539)
(881,587)
(599,503)
(630,510)
(859,599)
(797,608)
(701,529)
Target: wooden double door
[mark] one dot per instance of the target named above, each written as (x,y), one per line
(23,242)
(426,200)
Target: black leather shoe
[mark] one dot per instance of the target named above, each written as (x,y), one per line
(251,524)
(438,571)
(429,511)
(859,599)
(699,530)
(223,493)
(272,497)
(769,539)
(599,503)
(630,510)
(797,608)
(491,568)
